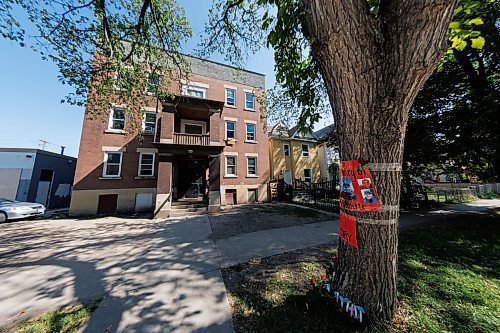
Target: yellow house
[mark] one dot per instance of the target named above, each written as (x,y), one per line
(294,155)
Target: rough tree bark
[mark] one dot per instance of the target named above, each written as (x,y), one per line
(373,68)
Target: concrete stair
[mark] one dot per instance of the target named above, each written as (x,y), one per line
(188,208)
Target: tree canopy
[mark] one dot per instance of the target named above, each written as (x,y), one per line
(453,125)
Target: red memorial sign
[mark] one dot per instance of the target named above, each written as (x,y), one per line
(347,229)
(357,191)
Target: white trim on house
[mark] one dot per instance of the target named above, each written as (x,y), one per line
(110,128)
(106,163)
(113,149)
(144,113)
(308,150)
(256,174)
(185,122)
(235,174)
(289,153)
(226,89)
(140,164)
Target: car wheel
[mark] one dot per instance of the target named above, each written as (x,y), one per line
(3,217)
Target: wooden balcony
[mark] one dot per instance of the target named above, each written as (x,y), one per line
(191,139)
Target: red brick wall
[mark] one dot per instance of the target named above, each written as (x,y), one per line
(91,156)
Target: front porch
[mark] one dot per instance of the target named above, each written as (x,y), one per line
(187,175)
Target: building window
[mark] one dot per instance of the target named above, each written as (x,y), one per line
(308,175)
(112,164)
(250,132)
(118,118)
(146,164)
(286,150)
(230,130)
(230,165)
(230,97)
(252,166)
(153,83)
(149,122)
(249,101)
(193,126)
(305,150)
(194,91)
(123,79)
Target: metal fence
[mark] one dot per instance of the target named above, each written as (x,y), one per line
(323,194)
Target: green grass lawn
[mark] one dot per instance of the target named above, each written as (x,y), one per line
(447,283)
(66,320)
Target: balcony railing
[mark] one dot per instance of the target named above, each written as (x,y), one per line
(192,139)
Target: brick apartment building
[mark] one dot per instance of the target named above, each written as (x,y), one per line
(204,147)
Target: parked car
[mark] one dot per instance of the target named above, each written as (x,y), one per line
(14,210)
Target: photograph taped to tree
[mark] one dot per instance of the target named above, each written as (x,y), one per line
(346,189)
(365,183)
(357,191)
(368,196)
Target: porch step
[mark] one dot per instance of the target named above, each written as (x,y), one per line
(191,205)
(188,212)
(189,208)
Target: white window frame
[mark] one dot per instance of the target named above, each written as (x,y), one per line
(144,122)
(254,132)
(311,177)
(185,122)
(111,118)
(235,166)
(225,100)
(147,83)
(256,174)
(105,164)
(253,100)
(284,151)
(187,87)
(308,150)
(140,165)
(225,134)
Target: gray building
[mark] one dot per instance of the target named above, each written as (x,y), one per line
(36,175)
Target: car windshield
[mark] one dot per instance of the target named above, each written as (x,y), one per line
(5,201)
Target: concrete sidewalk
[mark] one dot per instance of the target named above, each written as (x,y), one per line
(175,285)
(265,243)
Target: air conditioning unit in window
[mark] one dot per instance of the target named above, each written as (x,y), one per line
(230,141)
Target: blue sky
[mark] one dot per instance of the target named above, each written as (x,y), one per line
(30,93)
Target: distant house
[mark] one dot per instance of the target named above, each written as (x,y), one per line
(295,155)
(36,175)
(332,151)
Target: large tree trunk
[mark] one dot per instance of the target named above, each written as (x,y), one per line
(373,68)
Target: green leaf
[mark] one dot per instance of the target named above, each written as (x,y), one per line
(458,10)
(476,21)
(478,43)
(458,43)
(454,25)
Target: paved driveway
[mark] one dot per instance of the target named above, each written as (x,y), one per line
(152,276)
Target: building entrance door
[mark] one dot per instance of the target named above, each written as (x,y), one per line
(192,179)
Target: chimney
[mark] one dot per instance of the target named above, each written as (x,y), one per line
(62,150)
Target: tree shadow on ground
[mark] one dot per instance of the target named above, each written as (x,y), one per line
(149,275)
